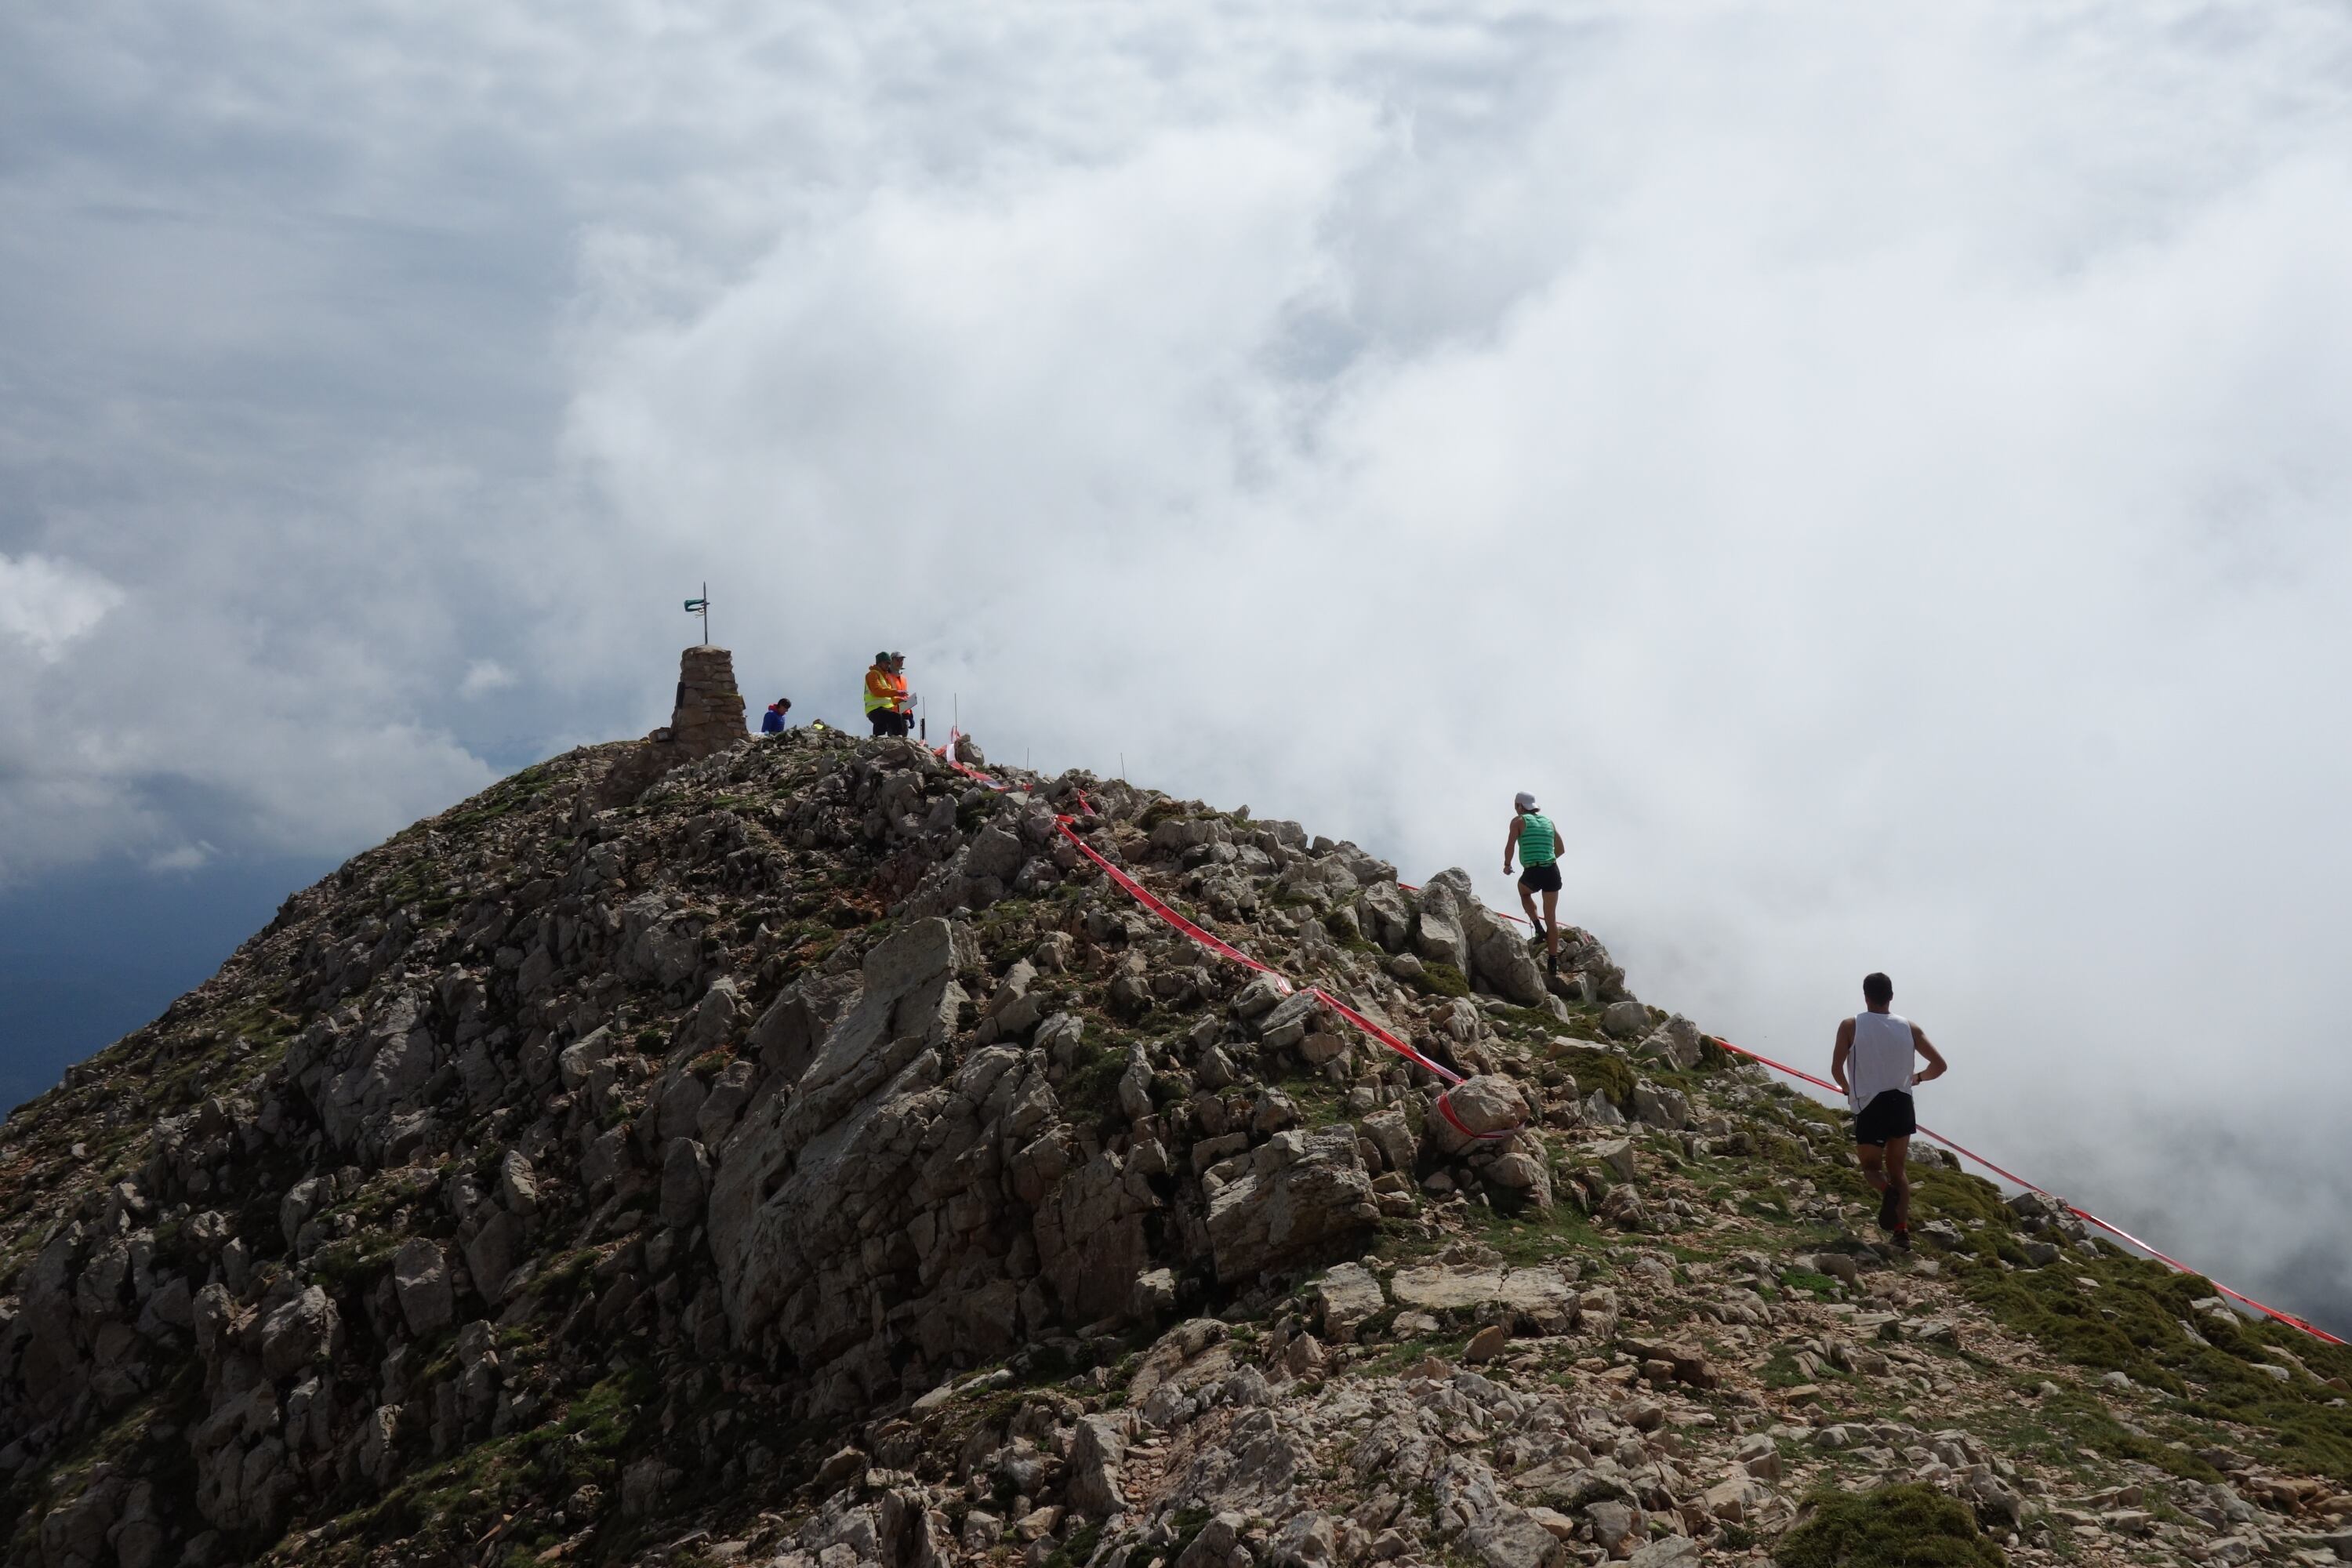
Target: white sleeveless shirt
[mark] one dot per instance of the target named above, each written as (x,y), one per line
(1881,1057)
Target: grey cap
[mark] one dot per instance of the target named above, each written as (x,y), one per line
(1524,801)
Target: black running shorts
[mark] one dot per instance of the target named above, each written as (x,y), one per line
(1541,879)
(1888,1115)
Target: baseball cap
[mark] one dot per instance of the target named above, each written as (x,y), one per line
(1524,801)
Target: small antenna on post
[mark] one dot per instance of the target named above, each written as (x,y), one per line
(703,606)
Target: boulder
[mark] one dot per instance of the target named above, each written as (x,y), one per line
(1626,1020)
(1393,1136)
(1500,959)
(1437,937)
(1687,1360)
(1091,1246)
(995,853)
(1486,1103)
(493,1253)
(801,1168)
(1295,1198)
(299,1333)
(1544,1298)
(1612,1520)
(1095,1453)
(1385,915)
(1262,995)
(684,1180)
(1154,1294)
(1678,1041)
(1617,1154)
(1349,1294)
(420,1276)
(1660,1107)
(1288,1023)
(788,1034)
(518,1185)
(1512,1537)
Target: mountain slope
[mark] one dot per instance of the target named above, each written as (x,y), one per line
(807,1154)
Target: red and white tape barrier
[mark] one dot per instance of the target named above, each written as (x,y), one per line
(2081,1214)
(1149,901)
(1144,896)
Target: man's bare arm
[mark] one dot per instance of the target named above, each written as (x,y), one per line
(1935,1064)
(1838,1057)
(1511,843)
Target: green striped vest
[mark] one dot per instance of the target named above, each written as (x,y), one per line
(1538,839)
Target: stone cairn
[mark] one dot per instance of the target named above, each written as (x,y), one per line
(708,714)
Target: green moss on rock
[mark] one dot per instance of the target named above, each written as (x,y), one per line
(1908,1526)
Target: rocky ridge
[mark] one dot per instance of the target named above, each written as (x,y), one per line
(803,1156)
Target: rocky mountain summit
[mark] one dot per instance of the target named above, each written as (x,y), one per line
(805,1156)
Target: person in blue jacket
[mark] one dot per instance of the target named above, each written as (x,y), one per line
(771,722)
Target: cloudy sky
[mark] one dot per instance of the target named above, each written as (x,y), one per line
(1881,476)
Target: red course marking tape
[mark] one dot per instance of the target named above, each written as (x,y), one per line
(2081,1214)
(1149,901)
(1451,1077)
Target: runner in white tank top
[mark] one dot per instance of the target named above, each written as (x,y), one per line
(1882,1049)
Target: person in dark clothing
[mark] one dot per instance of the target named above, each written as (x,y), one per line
(771,722)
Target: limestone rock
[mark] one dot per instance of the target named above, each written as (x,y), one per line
(421,1276)
(1349,1294)
(1294,1197)
(1485,1104)
(1658,1107)
(304,1330)
(1617,1154)
(684,1179)
(1095,1460)
(1544,1297)
(1626,1020)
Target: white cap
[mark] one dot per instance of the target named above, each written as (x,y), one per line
(1524,801)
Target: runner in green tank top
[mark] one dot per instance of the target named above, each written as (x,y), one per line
(1536,842)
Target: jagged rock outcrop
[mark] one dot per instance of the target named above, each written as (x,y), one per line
(808,1146)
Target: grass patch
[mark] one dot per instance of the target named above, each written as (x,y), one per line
(1937,1193)
(1092,1087)
(1910,1526)
(1819,1287)
(1595,1068)
(2132,1324)
(342,1266)
(1074,1552)
(1537,1235)
(1438,978)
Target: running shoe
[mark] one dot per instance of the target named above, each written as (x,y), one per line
(1902,1238)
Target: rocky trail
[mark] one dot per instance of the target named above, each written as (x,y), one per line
(801,1156)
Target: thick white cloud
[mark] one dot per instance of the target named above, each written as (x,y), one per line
(1879,478)
(45,604)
